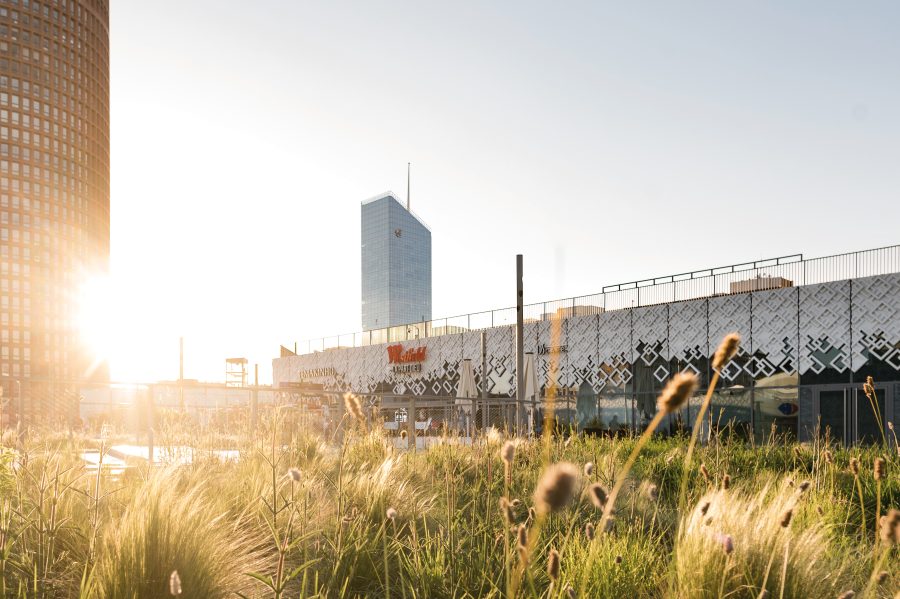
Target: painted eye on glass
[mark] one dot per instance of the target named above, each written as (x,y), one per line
(398,232)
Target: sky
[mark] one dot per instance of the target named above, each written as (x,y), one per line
(605,141)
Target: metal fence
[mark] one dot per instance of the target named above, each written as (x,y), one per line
(785,271)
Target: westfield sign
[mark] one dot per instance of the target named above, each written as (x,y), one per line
(405,362)
(396,355)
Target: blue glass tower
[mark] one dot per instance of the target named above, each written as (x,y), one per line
(396,265)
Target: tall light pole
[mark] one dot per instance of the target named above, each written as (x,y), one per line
(520,348)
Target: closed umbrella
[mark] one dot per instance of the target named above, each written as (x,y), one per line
(532,390)
(466,391)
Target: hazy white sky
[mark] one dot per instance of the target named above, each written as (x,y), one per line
(606,141)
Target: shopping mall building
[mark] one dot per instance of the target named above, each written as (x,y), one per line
(812,330)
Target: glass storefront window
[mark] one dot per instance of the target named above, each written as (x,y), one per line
(775,411)
(730,411)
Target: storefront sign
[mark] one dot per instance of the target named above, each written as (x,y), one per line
(396,355)
(545,350)
(405,362)
(314,373)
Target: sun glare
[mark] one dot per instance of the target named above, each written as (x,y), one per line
(98,318)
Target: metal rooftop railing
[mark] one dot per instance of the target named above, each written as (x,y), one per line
(774,273)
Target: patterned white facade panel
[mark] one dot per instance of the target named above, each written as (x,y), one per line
(775,335)
(582,348)
(650,339)
(501,361)
(614,350)
(451,359)
(375,370)
(339,360)
(730,314)
(825,327)
(688,335)
(805,330)
(876,321)
(551,337)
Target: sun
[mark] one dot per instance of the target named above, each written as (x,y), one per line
(98,319)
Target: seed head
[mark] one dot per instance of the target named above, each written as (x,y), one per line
(652,492)
(829,457)
(677,392)
(880,469)
(786,517)
(854,466)
(554,490)
(403,434)
(704,472)
(174,584)
(882,577)
(553,565)
(570,592)
(598,495)
(508,452)
(704,507)
(869,387)
(889,528)
(804,486)
(522,537)
(515,503)
(294,474)
(847,595)
(726,481)
(506,510)
(619,559)
(589,531)
(589,468)
(391,514)
(890,426)
(727,543)
(727,349)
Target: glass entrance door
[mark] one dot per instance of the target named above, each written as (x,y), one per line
(848,415)
(868,413)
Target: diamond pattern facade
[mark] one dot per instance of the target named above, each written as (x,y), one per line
(823,333)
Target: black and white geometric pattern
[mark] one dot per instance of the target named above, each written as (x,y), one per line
(774,336)
(825,327)
(876,326)
(614,350)
(831,329)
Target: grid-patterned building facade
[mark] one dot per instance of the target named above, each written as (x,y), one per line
(54,192)
(396,265)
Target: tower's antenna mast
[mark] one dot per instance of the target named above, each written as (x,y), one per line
(407,185)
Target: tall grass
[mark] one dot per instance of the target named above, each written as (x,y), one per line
(169,525)
(301,516)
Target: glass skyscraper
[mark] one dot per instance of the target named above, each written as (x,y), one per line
(396,265)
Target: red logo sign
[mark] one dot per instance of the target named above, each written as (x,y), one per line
(396,355)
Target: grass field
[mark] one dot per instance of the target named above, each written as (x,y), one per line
(295,516)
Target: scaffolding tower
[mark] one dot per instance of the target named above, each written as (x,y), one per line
(235,372)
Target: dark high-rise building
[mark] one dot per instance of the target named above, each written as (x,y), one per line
(396,265)
(54,193)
